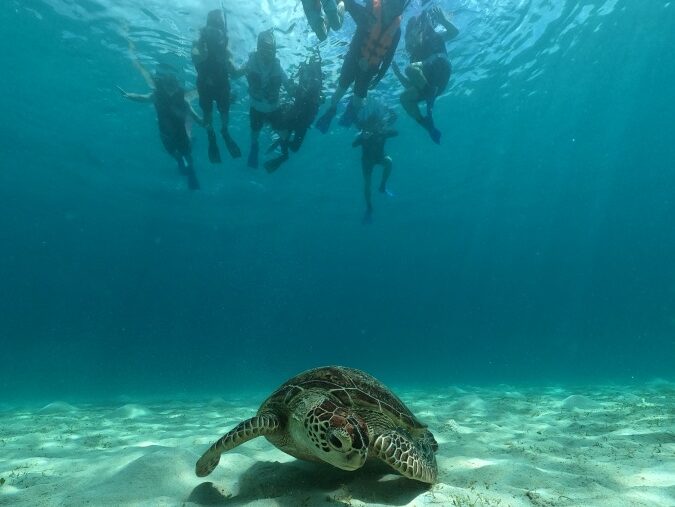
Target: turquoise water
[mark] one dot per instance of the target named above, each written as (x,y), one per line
(534,245)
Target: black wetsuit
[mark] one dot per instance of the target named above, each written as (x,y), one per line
(351,71)
(213,70)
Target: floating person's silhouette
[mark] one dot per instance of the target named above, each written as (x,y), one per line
(213,62)
(428,73)
(371,51)
(174,113)
(298,114)
(265,78)
(376,123)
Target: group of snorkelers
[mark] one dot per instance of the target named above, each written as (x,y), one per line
(371,53)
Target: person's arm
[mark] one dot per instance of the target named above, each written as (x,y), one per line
(236,72)
(386,62)
(451,31)
(405,82)
(198,52)
(136,97)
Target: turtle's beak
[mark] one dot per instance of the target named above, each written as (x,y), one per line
(353,460)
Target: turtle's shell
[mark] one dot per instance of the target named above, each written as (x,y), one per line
(349,387)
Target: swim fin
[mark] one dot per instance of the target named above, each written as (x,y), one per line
(253,156)
(274,163)
(349,116)
(231,145)
(214,152)
(429,126)
(323,123)
(193,182)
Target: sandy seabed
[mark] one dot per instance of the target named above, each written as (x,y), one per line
(502,446)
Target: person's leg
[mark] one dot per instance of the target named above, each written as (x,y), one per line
(223,102)
(335,13)
(347,75)
(206,99)
(410,99)
(315,19)
(361,82)
(257,120)
(193,182)
(367,167)
(387,166)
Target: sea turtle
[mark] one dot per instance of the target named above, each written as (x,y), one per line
(340,416)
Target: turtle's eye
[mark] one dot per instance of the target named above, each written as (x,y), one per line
(335,442)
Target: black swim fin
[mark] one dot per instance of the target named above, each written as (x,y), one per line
(193,182)
(274,163)
(231,145)
(253,156)
(214,152)
(323,123)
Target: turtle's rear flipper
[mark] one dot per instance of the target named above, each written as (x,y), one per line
(257,426)
(400,452)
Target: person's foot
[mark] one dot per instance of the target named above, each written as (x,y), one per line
(323,123)
(349,116)
(253,156)
(429,126)
(384,190)
(367,217)
(231,145)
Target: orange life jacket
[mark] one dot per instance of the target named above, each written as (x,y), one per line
(379,39)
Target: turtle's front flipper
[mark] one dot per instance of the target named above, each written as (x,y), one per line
(399,451)
(257,426)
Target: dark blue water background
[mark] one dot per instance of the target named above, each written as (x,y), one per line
(536,245)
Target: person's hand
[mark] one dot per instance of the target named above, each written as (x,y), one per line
(122,92)
(439,16)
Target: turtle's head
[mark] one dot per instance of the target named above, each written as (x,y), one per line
(339,436)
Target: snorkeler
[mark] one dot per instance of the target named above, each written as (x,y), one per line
(265,77)
(429,71)
(213,61)
(173,115)
(378,31)
(323,15)
(376,128)
(298,115)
